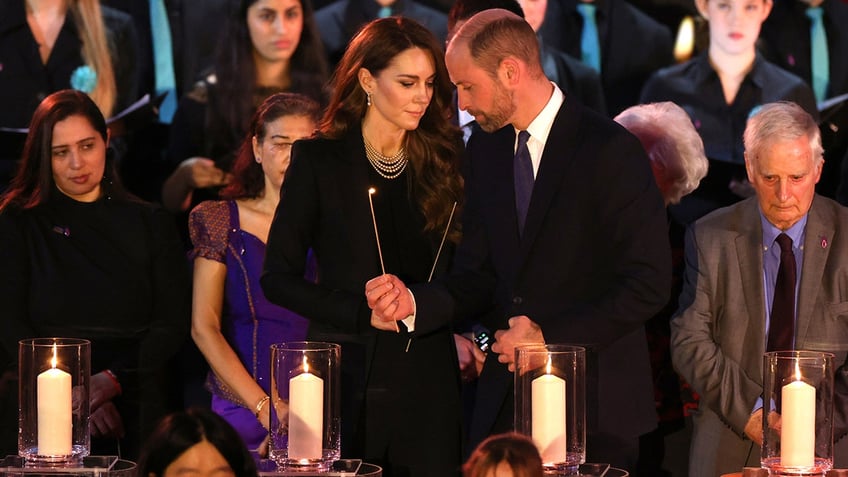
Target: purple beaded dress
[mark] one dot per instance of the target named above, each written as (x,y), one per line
(250,323)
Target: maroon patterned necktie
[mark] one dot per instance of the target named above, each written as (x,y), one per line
(782,322)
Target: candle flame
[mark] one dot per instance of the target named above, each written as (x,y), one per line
(548,371)
(305,365)
(372,191)
(55,360)
(797,371)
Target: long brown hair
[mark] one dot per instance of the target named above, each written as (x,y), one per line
(95,52)
(248,178)
(34,182)
(435,146)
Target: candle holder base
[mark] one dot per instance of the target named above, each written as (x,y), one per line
(587,470)
(89,466)
(32,458)
(324,464)
(305,465)
(571,465)
(819,468)
(339,468)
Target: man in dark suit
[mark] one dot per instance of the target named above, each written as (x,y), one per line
(786,40)
(195,29)
(591,263)
(728,308)
(339,21)
(632,45)
(569,73)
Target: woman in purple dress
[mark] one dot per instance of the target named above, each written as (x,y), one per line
(233,324)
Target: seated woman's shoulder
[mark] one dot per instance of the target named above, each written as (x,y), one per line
(208,209)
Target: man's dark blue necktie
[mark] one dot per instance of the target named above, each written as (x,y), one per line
(523,174)
(782,321)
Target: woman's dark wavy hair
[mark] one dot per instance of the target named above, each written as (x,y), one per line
(178,432)
(248,178)
(434,148)
(234,100)
(33,184)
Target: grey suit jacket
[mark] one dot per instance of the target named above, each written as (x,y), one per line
(718,334)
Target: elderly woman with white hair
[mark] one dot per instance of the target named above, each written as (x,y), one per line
(673,145)
(678,161)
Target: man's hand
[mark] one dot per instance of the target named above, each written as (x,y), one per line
(522,331)
(471,359)
(754,426)
(389,300)
(107,422)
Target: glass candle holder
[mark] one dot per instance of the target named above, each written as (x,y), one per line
(305,420)
(550,403)
(797,412)
(53,415)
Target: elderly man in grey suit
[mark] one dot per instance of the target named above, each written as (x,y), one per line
(729,311)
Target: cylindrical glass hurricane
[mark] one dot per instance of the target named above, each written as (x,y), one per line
(53,414)
(550,403)
(798,413)
(305,421)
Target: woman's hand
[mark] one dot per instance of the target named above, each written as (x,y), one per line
(390,301)
(107,422)
(192,173)
(201,172)
(103,388)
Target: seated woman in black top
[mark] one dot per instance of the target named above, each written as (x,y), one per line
(720,89)
(82,258)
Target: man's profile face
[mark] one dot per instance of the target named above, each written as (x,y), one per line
(482,96)
(784,175)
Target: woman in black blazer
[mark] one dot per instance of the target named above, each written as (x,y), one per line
(388,128)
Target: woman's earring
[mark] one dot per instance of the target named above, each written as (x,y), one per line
(258,159)
(368,99)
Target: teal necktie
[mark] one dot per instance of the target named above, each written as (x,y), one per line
(163,60)
(384,12)
(590,48)
(818,53)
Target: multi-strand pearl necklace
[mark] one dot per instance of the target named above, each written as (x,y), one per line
(390,167)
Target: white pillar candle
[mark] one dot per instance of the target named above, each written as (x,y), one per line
(798,424)
(306,415)
(548,396)
(53,388)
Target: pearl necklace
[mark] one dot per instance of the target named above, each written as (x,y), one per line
(390,167)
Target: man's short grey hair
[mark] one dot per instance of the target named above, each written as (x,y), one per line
(671,142)
(781,121)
